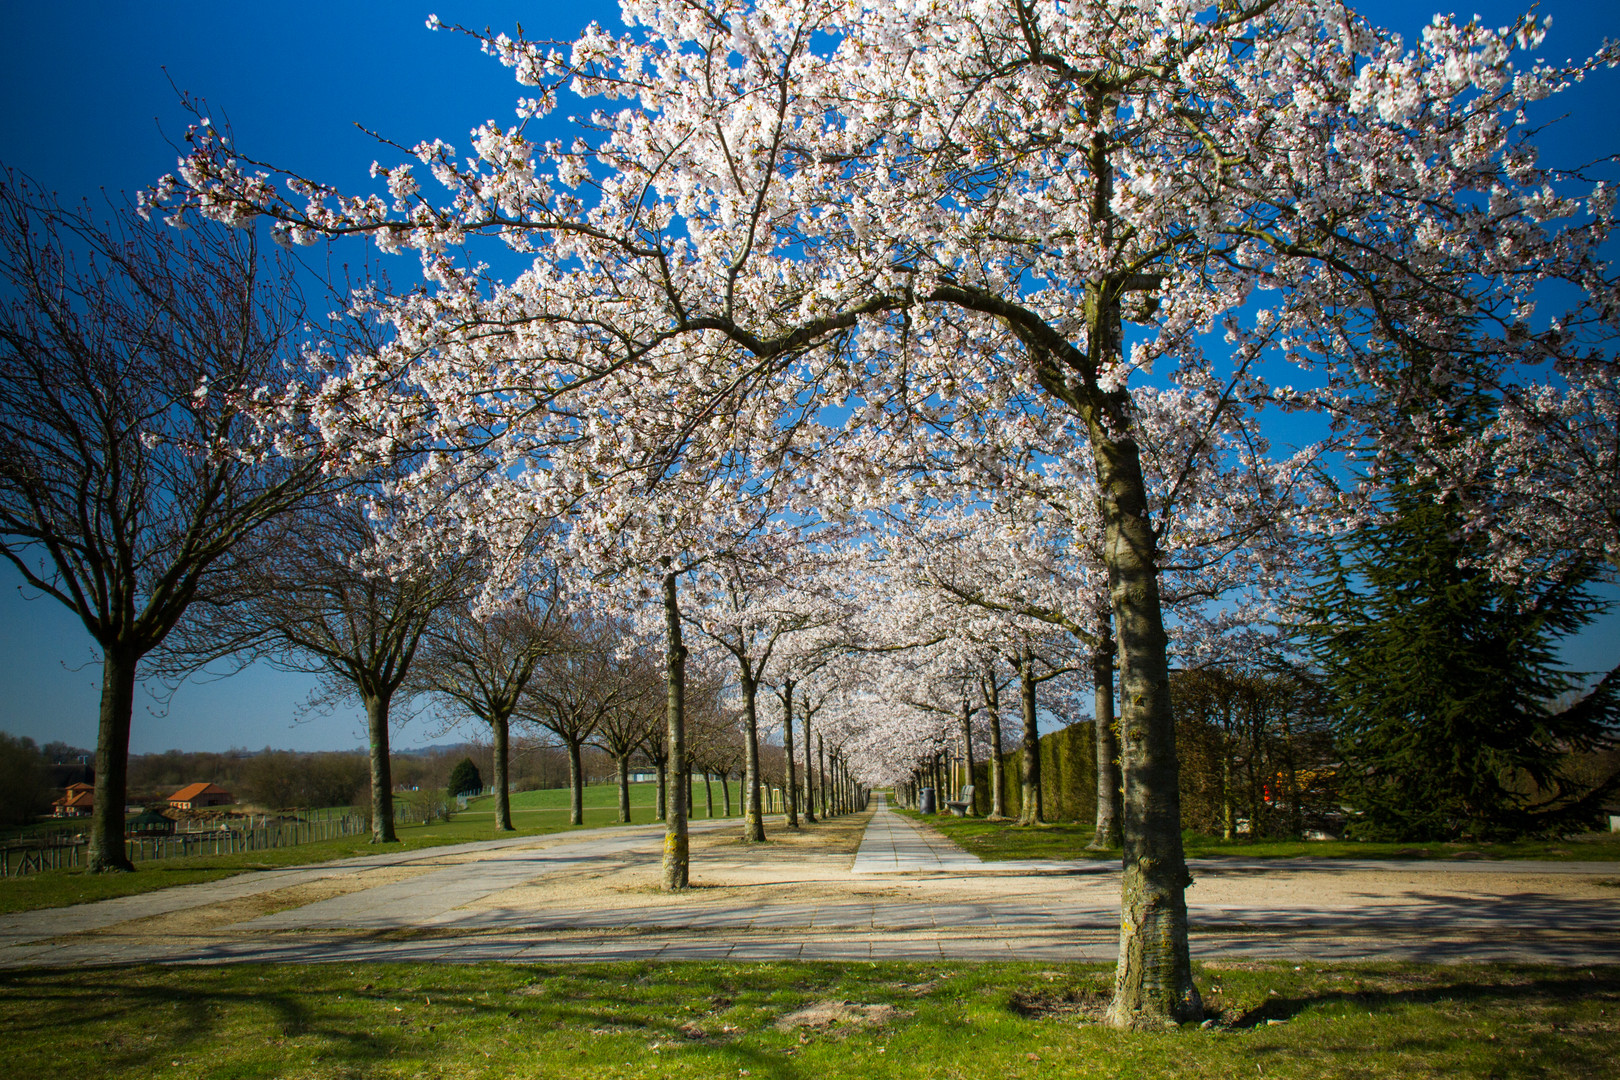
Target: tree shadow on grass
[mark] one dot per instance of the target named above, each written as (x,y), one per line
(1519,991)
(264,1019)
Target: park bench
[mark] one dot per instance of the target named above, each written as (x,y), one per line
(962,805)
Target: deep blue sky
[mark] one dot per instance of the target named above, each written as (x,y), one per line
(87,96)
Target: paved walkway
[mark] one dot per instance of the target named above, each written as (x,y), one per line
(907,894)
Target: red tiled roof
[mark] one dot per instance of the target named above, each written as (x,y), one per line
(192,792)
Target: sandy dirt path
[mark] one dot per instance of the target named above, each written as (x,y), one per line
(818,893)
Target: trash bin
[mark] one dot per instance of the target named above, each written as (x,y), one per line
(925,800)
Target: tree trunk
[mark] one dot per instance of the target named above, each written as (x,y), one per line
(677,860)
(821,769)
(708,792)
(1030,812)
(500,729)
(622,763)
(809,775)
(1153,982)
(753,816)
(382,777)
(1106,835)
(790,788)
(998,779)
(661,793)
(725,790)
(1228,817)
(107,852)
(967,755)
(576,786)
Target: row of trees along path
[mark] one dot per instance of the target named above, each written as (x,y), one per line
(842,261)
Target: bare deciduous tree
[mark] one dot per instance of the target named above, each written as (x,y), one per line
(482,664)
(324,600)
(131,477)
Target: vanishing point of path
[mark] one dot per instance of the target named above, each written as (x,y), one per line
(872,886)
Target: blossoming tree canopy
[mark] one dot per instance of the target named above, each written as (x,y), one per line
(788,221)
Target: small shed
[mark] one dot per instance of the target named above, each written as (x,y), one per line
(149,822)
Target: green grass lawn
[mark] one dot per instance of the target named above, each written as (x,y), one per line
(533,815)
(705,1019)
(993,840)
(606,797)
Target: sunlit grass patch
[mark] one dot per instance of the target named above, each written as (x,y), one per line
(820,1020)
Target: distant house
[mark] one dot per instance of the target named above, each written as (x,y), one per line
(76,801)
(197,796)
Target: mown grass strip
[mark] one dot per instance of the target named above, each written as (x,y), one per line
(1000,840)
(811,1020)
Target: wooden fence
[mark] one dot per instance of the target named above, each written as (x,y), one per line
(18,859)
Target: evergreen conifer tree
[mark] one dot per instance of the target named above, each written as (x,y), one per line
(1445,681)
(464,778)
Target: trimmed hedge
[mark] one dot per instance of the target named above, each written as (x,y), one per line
(1068,776)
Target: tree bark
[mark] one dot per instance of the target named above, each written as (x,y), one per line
(500,728)
(1153,982)
(677,860)
(107,854)
(708,793)
(1030,811)
(661,792)
(382,777)
(998,779)
(790,788)
(753,816)
(967,755)
(725,791)
(809,775)
(821,769)
(576,786)
(622,764)
(1106,836)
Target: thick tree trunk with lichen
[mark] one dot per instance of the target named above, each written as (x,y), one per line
(809,775)
(1030,811)
(1153,981)
(576,785)
(821,772)
(107,854)
(1106,835)
(753,814)
(382,777)
(967,755)
(790,789)
(998,801)
(677,862)
(500,730)
(621,764)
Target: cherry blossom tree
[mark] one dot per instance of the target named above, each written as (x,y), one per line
(921,214)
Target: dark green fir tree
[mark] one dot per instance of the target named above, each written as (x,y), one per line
(1454,717)
(464,778)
